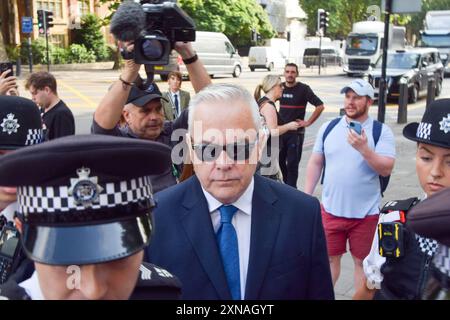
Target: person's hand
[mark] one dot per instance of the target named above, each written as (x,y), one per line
(185,49)
(293,125)
(303,123)
(13,92)
(359,142)
(131,69)
(7,83)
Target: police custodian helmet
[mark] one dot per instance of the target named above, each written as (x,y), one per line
(84,199)
(20,123)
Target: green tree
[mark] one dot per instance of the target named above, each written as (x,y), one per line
(91,37)
(343,13)
(235,18)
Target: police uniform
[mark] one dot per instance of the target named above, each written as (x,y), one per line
(79,192)
(404,276)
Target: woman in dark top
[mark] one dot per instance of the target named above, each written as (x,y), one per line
(273,90)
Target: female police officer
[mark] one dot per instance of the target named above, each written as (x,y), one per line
(84,205)
(399,262)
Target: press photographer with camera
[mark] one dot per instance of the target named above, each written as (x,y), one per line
(139,31)
(399,263)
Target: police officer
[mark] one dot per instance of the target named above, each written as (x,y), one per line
(20,126)
(399,262)
(84,213)
(436,226)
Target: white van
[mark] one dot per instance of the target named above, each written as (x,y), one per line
(265,58)
(215,51)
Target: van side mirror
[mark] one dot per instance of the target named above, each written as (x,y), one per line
(424,64)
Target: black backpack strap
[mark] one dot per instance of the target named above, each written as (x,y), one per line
(328,129)
(376,131)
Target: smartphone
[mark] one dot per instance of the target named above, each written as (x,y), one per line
(6,66)
(356,126)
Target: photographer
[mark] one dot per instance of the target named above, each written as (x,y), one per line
(399,264)
(143,111)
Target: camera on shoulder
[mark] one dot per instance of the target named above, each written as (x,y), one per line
(390,239)
(154,26)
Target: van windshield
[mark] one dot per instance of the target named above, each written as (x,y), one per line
(361,45)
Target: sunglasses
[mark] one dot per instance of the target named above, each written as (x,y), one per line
(237,151)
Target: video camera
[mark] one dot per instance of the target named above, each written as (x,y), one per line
(390,239)
(155,35)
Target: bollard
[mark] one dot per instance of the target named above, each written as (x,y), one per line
(402,114)
(431,90)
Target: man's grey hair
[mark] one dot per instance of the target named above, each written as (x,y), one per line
(224,93)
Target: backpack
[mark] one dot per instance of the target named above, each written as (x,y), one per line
(376,133)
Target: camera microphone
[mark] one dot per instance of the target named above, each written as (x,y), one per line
(128,21)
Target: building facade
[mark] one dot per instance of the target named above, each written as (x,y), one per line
(66,17)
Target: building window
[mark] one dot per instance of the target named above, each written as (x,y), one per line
(83,7)
(56,6)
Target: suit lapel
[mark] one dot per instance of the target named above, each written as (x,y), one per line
(198,226)
(265,226)
(168,106)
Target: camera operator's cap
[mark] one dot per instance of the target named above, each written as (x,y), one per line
(361,88)
(434,128)
(140,97)
(431,217)
(84,199)
(20,123)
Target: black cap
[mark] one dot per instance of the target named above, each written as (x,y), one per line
(140,97)
(434,128)
(20,123)
(84,199)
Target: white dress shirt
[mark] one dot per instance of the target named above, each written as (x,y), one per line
(32,287)
(242,222)
(172,96)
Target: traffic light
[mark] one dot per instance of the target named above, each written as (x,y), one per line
(322,21)
(48,19)
(41,28)
(45,20)
(288,36)
(258,37)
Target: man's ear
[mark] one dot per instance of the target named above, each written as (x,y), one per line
(18,224)
(189,157)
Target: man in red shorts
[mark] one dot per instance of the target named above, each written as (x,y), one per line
(355,158)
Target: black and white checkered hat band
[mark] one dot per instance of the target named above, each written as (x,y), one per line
(424,131)
(427,246)
(442,259)
(57,199)
(34,136)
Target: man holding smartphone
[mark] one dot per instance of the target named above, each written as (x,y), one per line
(351,186)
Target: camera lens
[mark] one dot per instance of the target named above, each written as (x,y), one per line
(389,244)
(152,49)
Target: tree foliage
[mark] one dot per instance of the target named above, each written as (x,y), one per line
(91,37)
(235,18)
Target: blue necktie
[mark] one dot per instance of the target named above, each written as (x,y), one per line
(177,105)
(228,246)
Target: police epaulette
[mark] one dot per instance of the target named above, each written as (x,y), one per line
(399,205)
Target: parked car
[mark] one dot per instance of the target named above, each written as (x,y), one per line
(265,58)
(330,56)
(216,52)
(415,66)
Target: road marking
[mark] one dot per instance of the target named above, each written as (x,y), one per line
(91,104)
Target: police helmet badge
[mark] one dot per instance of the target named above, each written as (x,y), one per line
(9,124)
(445,124)
(84,189)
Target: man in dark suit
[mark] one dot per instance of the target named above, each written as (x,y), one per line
(177,99)
(227,233)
